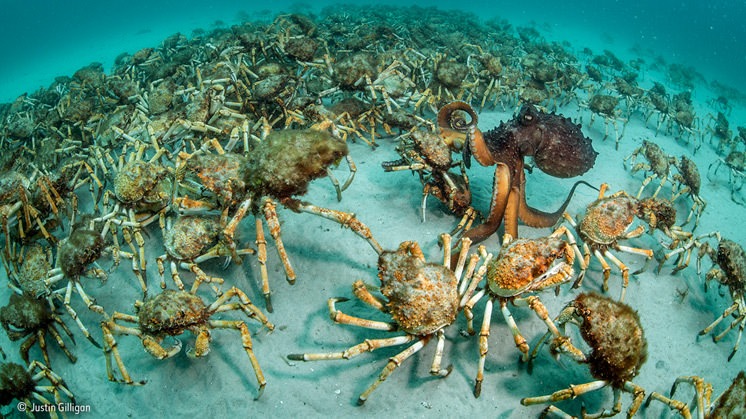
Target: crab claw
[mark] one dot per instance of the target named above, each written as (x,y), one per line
(155,349)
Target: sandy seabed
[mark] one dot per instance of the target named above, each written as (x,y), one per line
(328,259)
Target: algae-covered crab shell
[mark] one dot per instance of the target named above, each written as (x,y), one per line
(171,312)
(24,313)
(423,297)
(285,162)
(15,382)
(10,183)
(613,331)
(221,174)
(34,270)
(82,248)
(525,263)
(690,174)
(140,182)
(191,236)
(731,258)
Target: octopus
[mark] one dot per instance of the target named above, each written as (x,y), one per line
(557,146)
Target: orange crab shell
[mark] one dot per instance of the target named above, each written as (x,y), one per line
(607,219)
(522,263)
(422,297)
(222,174)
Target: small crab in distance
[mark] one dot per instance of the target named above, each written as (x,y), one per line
(422,299)
(735,163)
(524,266)
(606,222)
(173,312)
(605,106)
(657,162)
(618,349)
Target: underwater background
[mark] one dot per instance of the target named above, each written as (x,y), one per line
(44,39)
(700,42)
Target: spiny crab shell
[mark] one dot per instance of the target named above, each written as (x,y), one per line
(690,174)
(613,331)
(16,382)
(732,260)
(191,236)
(222,174)
(141,182)
(34,270)
(658,213)
(288,160)
(422,297)
(171,312)
(524,263)
(76,252)
(607,219)
(433,148)
(24,313)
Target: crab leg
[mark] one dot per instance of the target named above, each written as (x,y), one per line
(484,334)
(569,393)
(261,244)
(248,346)
(270,214)
(346,219)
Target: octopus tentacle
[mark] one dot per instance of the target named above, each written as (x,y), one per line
(502,190)
(533,217)
(457,131)
(513,209)
(478,147)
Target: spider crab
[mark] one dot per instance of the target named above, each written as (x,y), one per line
(557,146)
(429,155)
(25,383)
(26,317)
(422,299)
(606,222)
(523,267)
(279,168)
(174,312)
(730,271)
(618,349)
